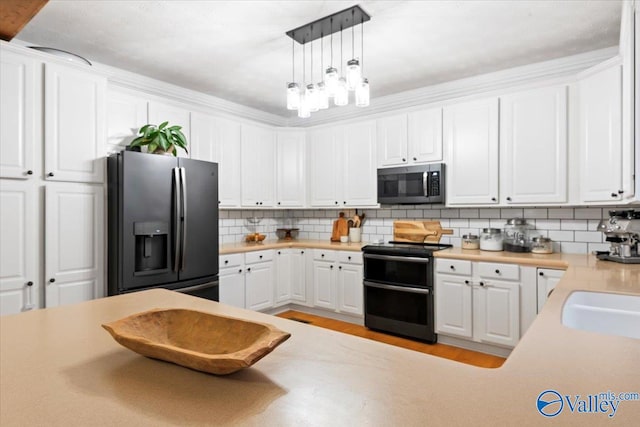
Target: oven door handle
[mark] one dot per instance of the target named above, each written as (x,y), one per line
(398,258)
(425,291)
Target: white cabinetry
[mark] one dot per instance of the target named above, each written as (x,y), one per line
(231,287)
(19,247)
(337,281)
(283,276)
(216,139)
(74,243)
(176,115)
(74,124)
(298,264)
(471,152)
(547,281)
(325,164)
(453,295)
(258,166)
(324,279)
(533,146)
(412,138)
(600,110)
(126,114)
(259,279)
(20,115)
(290,169)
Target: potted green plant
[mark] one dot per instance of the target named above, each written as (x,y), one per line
(161,139)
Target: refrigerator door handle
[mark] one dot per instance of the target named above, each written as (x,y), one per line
(183,182)
(176,218)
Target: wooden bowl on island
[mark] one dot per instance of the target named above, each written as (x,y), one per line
(202,341)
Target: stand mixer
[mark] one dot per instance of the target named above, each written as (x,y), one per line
(622,231)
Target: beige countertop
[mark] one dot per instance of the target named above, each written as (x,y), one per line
(240,247)
(58,367)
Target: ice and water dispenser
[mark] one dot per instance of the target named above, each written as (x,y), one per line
(152,247)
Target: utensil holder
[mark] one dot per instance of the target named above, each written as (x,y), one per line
(355,235)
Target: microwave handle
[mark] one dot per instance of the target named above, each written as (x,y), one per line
(425,183)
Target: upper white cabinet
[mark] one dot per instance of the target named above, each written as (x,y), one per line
(74,112)
(160,112)
(20,107)
(600,99)
(412,138)
(325,165)
(258,166)
(19,246)
(216,139)
(290,169)
(74,243)
(533,146)
(471,152)
(126,114)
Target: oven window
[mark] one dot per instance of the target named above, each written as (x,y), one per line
(397,305)
(396,272)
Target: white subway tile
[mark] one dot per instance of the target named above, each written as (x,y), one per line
(222,214)
(560,213)
(478,223)
(455,241)
(511,213)
(588,236)
(458,223)
(415,213)
(490,213)
(548,224)
(592,224)
(535,213)
(235,214)
(433,214)
(384,213)
(598,247)
(497,223)
(469,213)
(445,223)
(384,230)
(398,213)
(588,213)
(573,224)
(450,213)
(561,236)
(309,214)
(314,235)
(574,248)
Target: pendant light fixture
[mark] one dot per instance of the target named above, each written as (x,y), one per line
(313,96)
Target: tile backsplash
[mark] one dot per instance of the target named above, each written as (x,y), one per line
(571,229)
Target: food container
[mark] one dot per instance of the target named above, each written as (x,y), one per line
(517,235)
(470,241)
(491,239)
(541,245)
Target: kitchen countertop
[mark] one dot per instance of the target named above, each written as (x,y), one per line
(59,367)
(241,247)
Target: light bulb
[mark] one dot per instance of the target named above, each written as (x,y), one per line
(303,108)
(293,96)
(312,97)
(342,93)
(353,74)
(331,80)
(323,96)
(362,93)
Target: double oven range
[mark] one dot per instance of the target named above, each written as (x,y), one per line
(398,288)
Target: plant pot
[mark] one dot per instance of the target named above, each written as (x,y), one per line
(169,152)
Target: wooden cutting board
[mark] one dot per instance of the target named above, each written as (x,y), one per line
(340,228)
(418,231)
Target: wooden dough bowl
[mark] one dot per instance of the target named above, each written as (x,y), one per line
(202,341)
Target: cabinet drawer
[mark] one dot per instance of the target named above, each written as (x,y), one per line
(324,255)
(231,260)
(453,266)
(492,270)
(349,257)
(259,256)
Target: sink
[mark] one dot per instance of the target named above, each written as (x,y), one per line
(611,314)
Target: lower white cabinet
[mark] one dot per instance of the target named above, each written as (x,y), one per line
(283,276)
(337,281)
(350,288)
(324,283)
(298,276)
(231,287)
(259,279)
(547,280)
(485,302)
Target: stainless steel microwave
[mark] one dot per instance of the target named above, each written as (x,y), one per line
(411,184)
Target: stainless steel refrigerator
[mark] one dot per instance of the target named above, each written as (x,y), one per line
(163,224)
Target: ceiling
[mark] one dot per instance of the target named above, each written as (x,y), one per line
(237,50)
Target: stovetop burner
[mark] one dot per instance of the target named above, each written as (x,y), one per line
(415,249)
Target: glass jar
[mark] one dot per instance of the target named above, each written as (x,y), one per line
(470,241)
(517,235)
(491,239)
(541,245)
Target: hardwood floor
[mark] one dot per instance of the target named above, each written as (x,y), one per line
(441,350)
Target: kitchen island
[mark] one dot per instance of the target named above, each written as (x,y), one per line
(59,367)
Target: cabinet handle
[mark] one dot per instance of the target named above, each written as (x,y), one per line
(415,159)
(278,203)
(497,271)
(340,268)
(260,256)
(52,280)
(29,172)
(336,202)
(50,174)
(331,267)
(614,194)
(541,274)
(620,191)
(226,261)
(260,203)
(219,202)
(322,255)
(249,270)
(452,267)
(278,254)
(257,203)
(508,199)
(344,202)
(349,257)
(302,252)
(466,282)
(481,283)
(493,199)
(29,283)
(240,271)
(404,160)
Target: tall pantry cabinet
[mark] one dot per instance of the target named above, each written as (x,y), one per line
(52,129)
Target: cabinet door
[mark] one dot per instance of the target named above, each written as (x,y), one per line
(325,160)
(547,281)
(160,112)
(259,282)
(74,124)
(392,140)
(425,136)
(453,306)
(471,144)
(533,141)
(290,179)
(19,246)
(359,183)
(350,291)
(126,114)
(496,312)
(232,287)
(323,285)
(298,276)
(215,139)
(20,105)
(601,136)
(258,166)
(283,276)
(74,243)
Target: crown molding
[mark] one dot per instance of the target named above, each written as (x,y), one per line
(500,80)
